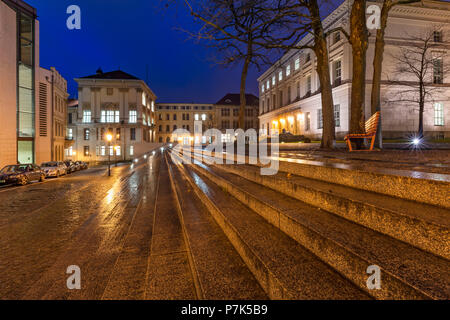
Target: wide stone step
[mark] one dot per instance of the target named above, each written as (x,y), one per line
(407,272)
(284,268)
(422,187)
(424,226)
(220,273)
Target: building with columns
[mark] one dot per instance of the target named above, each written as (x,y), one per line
(290,98)
(115,103)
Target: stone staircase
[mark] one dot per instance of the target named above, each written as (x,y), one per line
(302,235)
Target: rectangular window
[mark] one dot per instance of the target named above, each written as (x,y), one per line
(280,76)
(288,71)
(337,37)
(337,71)
(197,117)
(308,57)
(235,112)
(118,134)
(437,36)
(111,151)
(133,133)
(337,115)
(225,112)
(86,134)
(273,80)
(267,84)
(438,71)
(70,118)
(103,151)
(308,84)
(297,63)
(319,119)
(86,151)
(131,150)
(262,89)
(133,116)
(438,114)
(69,133)
(87,116)
(118,151)
(110,116)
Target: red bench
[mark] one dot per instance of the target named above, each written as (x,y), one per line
(371,132)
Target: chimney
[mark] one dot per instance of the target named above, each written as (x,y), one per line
(99,71)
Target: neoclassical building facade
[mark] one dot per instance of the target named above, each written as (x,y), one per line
(114,103)
(290,98)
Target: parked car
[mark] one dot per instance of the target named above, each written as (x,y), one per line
(77,165)
(83,165)
(70,166)
(21,174)
(54,169)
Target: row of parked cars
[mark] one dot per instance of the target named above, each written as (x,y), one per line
(23,174)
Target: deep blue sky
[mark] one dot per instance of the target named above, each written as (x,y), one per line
(130,34)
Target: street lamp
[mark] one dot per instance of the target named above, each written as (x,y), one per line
(109,138)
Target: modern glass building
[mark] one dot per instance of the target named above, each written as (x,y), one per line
(18,60)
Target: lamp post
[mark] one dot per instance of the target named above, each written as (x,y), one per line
(109,138)
(115,155)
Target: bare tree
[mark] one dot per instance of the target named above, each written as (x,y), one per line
(419,71)
(279,25)
(235,29)
(378,60)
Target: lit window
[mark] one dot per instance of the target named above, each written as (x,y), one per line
(267,84)
(118,151)
(103,151)
(144,100)
(70,133)
(70,151)
(273,80)
(86,134)
(111,150)
(438,114)
(133,116)
(297,63)
(280,75)
(110,116)
(288,71)
(87,116)
(196,117)
(203,117)
(153,106)
(262,89)
(86,151)
(131,150)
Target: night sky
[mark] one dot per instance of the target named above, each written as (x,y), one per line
(131,34)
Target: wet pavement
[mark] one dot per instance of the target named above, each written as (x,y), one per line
(101,224)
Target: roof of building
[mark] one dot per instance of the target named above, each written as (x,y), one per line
(113,75)
(234,99)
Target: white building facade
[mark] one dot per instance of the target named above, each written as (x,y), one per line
(114,103)
(290,98)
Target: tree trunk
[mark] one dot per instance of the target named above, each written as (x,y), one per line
(377,68)
(323,70)
(359,42)
(242,93)
(421,109)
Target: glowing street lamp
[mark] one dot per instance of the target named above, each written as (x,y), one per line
(109,138)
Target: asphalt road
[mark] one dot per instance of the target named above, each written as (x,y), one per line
(101,224)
